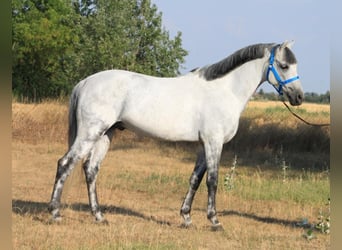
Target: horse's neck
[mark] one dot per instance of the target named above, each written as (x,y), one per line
(243,81)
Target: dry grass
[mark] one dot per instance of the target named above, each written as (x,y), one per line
(35,123)
(141,186)
(310,107)
(267,130)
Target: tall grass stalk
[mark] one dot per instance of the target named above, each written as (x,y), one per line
(284,168)
(323,224)
(229,178)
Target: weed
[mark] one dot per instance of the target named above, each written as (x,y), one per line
(284,167)
(323,224)
(229,178)
(309,235)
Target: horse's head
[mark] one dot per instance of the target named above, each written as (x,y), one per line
(282,73)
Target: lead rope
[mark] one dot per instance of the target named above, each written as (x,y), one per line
(306,122)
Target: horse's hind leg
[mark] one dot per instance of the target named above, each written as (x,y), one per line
(195,181)
(64,167)
(91,167)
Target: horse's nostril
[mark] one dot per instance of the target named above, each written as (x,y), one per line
(299,98)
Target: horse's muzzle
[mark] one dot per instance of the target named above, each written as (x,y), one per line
(295,98)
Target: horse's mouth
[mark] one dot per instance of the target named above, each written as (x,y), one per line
(295,98)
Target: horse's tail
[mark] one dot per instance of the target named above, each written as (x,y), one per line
(73,104)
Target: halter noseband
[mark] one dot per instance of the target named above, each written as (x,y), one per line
(276,75)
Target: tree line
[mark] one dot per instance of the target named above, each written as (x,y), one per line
(311,97)
(57,43)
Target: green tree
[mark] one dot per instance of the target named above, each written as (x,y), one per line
(128,35)
(325,98)
(156,53)
(42,48)
(58,43)
(317,98)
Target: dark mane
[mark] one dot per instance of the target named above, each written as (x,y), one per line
(233,61)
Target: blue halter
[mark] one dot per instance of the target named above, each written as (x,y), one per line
(276,75)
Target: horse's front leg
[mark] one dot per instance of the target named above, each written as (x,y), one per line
(213,154)
(195,181)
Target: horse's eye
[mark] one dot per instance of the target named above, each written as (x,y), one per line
(283,66)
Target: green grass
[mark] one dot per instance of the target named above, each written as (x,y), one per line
(155,181)
(298,191)
(300,187)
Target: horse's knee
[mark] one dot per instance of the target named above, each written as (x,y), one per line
(90,173)
(63,161)
(212,181)
(194,181)
(63,165)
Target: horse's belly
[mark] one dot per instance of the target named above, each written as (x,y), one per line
(166,129)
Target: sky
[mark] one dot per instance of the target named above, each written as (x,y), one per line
(212,30)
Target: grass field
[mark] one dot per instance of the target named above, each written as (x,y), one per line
(142,183)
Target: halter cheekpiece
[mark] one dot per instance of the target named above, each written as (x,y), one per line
(281,82)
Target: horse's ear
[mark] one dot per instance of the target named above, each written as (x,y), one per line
(287,44)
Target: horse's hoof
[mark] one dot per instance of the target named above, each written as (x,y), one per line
(55,219)
(102,222)
(187,226)
(217,227)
